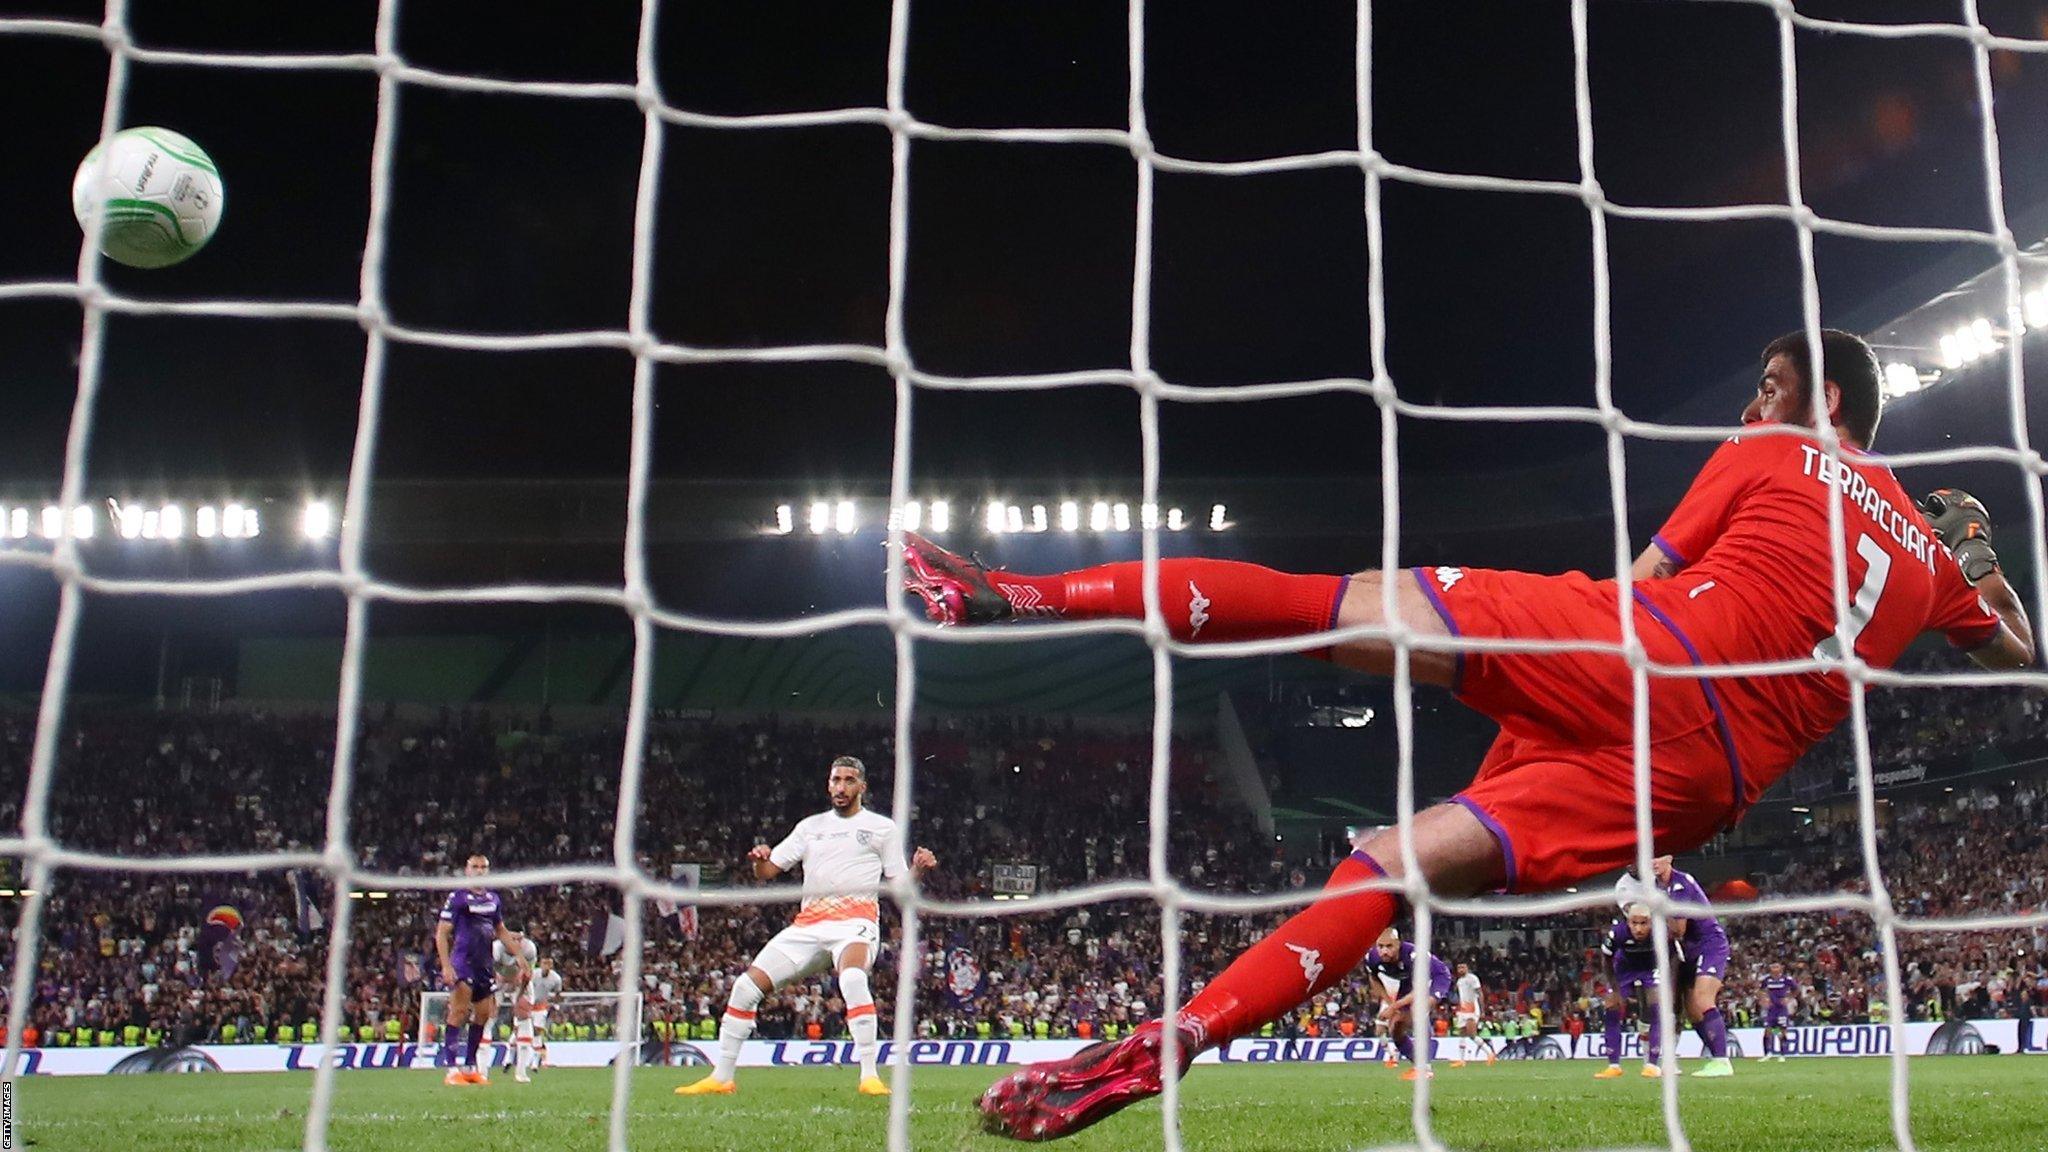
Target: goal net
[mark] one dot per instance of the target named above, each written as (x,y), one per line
(43,856)
(574,1017)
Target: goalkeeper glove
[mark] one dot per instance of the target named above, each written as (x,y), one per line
(1964,527)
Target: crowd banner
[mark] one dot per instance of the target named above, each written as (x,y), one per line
(1954,1037)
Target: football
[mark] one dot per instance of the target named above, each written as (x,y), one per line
(150,196)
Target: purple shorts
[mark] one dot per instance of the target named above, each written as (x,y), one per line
(1711,960)
(477,976)
(1439,990)
(1627,984)
(1777,1016)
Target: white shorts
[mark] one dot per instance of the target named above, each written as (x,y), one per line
(1468,1015)
(808,949)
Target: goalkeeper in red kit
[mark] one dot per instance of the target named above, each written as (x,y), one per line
(1741,573)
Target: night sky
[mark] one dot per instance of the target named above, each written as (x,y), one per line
(512,214)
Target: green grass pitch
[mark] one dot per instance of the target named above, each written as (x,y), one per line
(1984,1104)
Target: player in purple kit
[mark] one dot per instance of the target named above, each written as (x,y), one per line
(1391,968)
(1631,951)
(1781,993)
(470,921)
(1703,954)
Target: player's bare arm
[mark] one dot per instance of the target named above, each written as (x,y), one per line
(515,947)
(444,939)
(1653,564)
(764,868)
(1375,993)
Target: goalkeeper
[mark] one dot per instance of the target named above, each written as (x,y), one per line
(1742,572)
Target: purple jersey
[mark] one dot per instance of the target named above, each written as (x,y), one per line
(1699,927)
(1629,957)
(1778,993)
(476,916)
(1399,967)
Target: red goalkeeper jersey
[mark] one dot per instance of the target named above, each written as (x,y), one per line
(1756,584)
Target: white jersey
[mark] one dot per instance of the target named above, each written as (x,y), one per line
(543,988)
(845,859)
(1468,992)
(508,967)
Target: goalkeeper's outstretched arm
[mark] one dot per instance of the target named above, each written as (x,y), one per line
(1965,529)
(2013,646)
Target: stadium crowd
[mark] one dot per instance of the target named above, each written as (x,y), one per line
(1922,727)
(127,951)
(133,956)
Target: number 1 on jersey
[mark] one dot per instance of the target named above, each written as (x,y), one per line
(1878,569)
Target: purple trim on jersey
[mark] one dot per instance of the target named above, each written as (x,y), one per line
(1337,604)
(1360,855)
(1737,806)
(1665,546)
(1437,602)
(1500,835)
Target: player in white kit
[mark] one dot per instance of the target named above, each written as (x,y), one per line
(1471,1001)
(845,853)
(541,991)
(512,969)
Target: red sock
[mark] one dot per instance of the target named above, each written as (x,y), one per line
(1309,953)
(1217,600)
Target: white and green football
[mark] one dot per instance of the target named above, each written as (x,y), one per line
(152,196)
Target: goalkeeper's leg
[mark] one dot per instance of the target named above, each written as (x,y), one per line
(1202,600)
(1308,954)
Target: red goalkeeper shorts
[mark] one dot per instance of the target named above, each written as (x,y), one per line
(1557,789)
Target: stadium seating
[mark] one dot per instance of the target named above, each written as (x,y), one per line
(127,950)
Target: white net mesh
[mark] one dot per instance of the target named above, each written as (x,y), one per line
(42,855)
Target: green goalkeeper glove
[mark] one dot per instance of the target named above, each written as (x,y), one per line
(1964,527)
